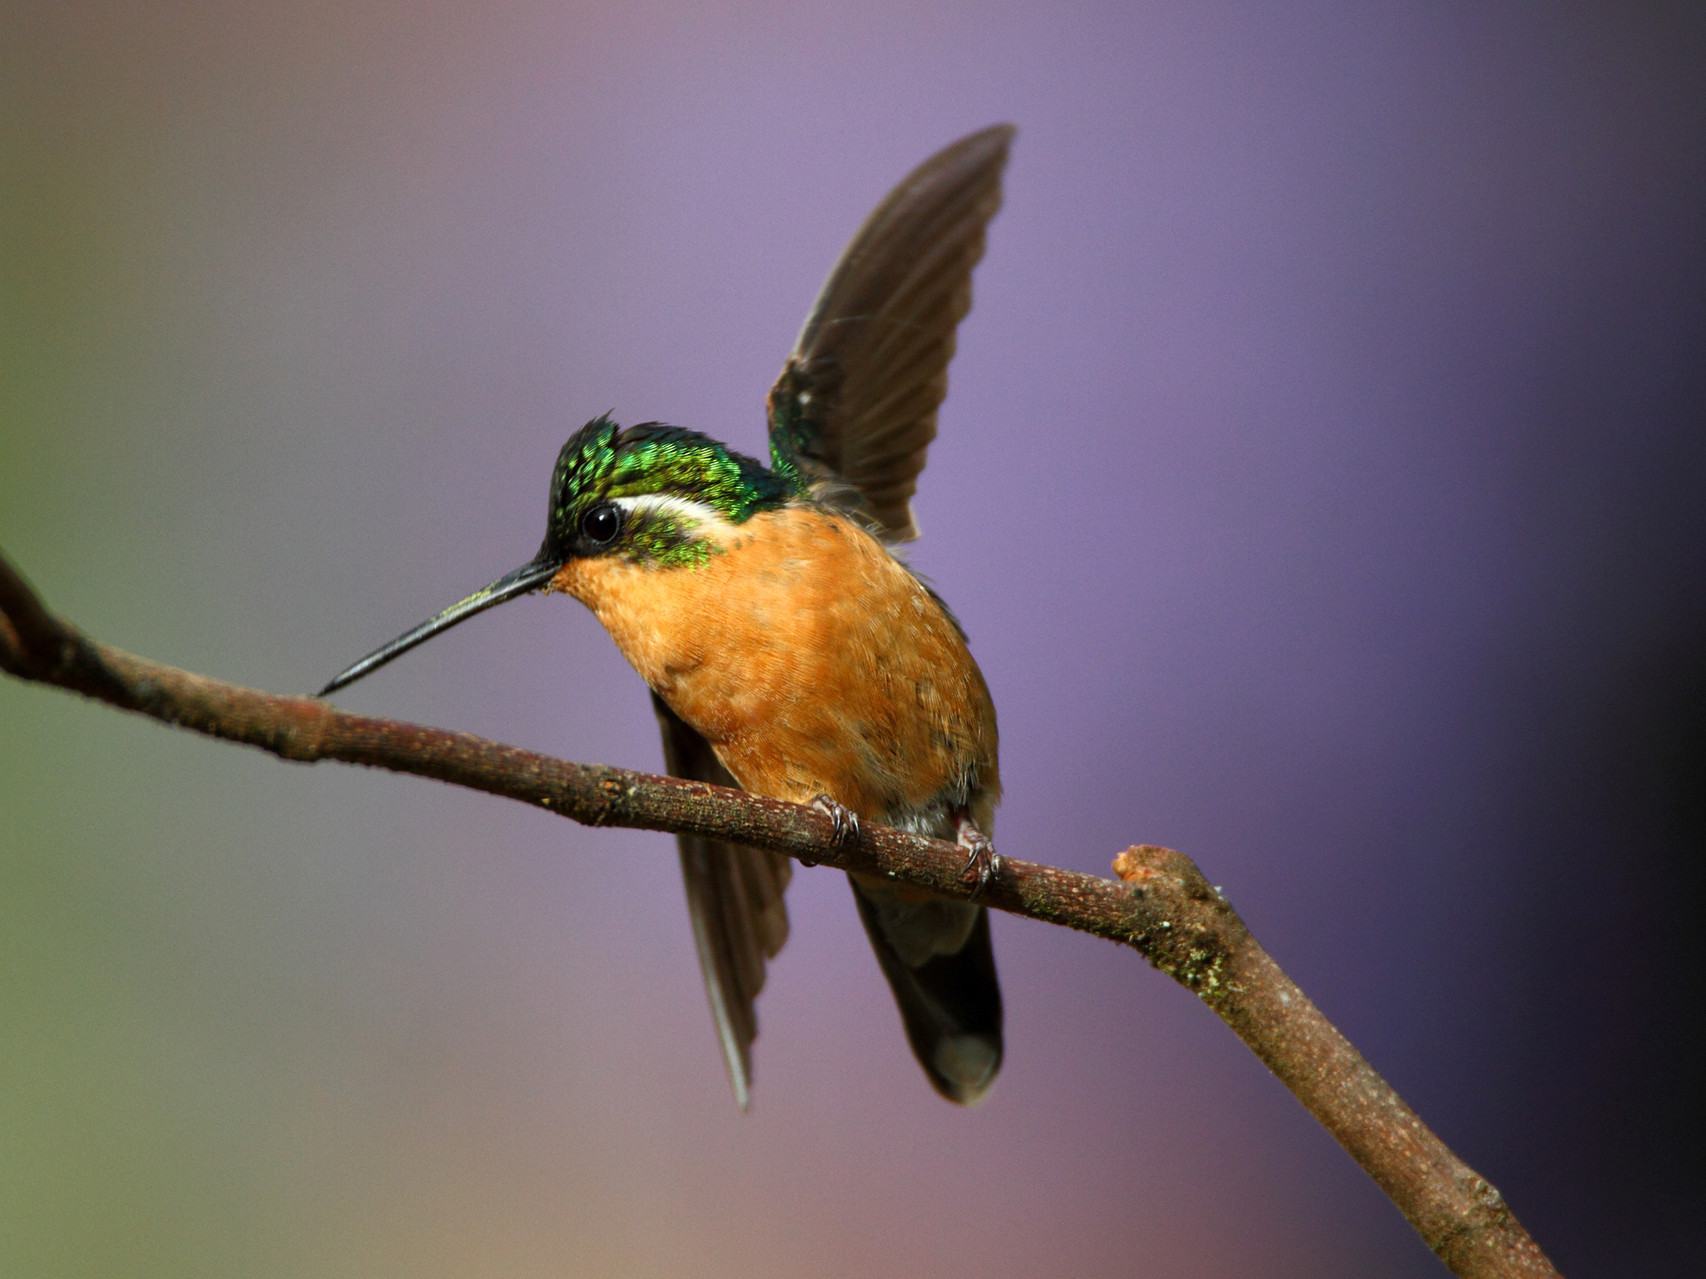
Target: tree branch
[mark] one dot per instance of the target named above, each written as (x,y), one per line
(1162,907)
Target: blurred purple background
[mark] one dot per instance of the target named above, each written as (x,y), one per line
(1322,484)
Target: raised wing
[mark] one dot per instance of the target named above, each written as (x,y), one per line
(734,897)
(856,404)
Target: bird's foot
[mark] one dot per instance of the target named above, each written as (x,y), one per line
(983,863)
(845,821)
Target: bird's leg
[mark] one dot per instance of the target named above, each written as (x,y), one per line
(983,863)
(845,820)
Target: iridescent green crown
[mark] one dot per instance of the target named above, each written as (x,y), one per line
(603,462)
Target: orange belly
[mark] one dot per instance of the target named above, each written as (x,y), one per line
(813,663)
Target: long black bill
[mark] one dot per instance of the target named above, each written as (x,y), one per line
(529,577)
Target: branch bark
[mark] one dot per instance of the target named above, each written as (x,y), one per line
(1162,906)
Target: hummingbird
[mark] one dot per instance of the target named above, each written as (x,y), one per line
(788,650)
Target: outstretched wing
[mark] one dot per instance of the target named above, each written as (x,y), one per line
(856,403)
(734,897)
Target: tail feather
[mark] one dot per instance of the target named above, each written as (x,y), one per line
(950,1000)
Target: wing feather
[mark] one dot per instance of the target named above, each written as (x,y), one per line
(855,406)
(735,900)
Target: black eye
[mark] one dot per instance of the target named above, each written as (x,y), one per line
(602,523)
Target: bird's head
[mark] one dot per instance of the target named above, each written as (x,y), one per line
(656,495)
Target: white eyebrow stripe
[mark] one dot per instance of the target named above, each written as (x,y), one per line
(668,504)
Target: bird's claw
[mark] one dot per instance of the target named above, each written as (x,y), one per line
(845,821)
(983,863)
